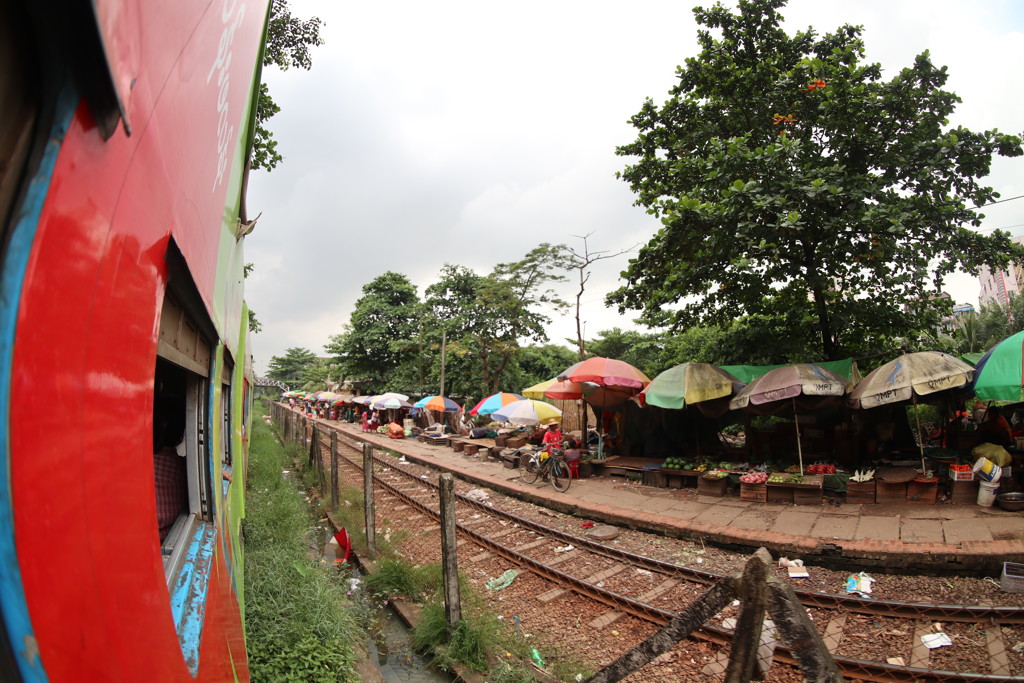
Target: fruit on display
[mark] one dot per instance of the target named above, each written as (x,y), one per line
(754,478)
(821,469)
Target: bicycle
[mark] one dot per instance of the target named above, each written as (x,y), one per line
(553,468)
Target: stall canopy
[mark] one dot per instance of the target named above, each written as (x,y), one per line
(999,375)
(911,377)
(689,383)
(746,373)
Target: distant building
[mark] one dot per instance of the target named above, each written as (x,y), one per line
(997,286)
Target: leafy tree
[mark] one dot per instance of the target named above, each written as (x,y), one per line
(485,318)
(513,300)
(289,41)
(789,177)
(540,363)
(644,351)
(291,367)
(373,349)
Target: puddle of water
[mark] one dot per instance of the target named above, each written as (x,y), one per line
(389,646)
(395,657)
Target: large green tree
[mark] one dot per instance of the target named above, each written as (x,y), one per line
(374,348)
(792,181)
(291,368)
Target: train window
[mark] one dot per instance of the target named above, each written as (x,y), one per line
(225,404)
(184,455)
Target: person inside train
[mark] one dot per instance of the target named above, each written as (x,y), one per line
(170,472)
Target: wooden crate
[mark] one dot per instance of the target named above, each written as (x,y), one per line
(889,492)
(860,491)
(962,492)
(807,495)
(515,441)
(654,477)
(775,493)
(712,487)
(458,445)
(499,441)
(470,449)
(755,493)
(925,493)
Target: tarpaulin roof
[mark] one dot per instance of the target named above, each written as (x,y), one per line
(745,373)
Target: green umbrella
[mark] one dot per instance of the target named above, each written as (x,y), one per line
(689,383)
(998,375)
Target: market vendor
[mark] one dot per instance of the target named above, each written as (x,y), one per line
(995,429)
(552,437)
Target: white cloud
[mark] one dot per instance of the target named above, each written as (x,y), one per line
(468,132)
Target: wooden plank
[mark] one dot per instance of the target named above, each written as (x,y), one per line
(919,654)
(834,632)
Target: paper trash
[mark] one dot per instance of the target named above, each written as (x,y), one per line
(934,640)
(859,584)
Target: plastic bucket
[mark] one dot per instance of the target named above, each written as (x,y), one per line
(987,470)
(987,493)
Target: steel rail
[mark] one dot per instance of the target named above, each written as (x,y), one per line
(849,666)
(971,614)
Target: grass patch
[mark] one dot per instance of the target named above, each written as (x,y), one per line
(299,621)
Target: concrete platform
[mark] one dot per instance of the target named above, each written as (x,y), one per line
(941,538)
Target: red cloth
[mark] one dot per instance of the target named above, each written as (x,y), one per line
(344,545)
(171,480)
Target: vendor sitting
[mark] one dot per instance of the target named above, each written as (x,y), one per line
(995,429)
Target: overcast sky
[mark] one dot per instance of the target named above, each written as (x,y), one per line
(469,132)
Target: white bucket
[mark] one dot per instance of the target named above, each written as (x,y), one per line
(987,493)
(987,470)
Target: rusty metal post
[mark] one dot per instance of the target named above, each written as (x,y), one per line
(449,559)
(368,507)
(334,470)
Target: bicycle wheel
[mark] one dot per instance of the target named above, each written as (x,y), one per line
(560,475)
(529,468)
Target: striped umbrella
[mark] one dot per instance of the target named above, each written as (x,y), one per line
(494,402)
(438,403)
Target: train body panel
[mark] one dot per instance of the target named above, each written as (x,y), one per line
(118,233)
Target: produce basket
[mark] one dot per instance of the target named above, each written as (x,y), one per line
(961,476)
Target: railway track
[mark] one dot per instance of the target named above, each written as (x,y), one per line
(634,586)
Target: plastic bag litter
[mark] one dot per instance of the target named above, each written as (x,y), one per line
(503,581)
(565,548)
(478,495)
(859,584)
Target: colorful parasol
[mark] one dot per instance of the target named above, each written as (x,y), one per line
(527,412)
(494,402)
(439,403)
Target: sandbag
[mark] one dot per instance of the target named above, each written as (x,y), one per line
(997,454)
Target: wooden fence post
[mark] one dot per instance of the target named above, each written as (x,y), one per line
(334,470)
(368,512)
(449,559)
(743,660)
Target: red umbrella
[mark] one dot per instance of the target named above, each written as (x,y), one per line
(607,372)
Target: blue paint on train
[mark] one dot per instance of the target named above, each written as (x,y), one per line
(13,607)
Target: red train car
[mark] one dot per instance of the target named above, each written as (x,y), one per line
(124,365)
